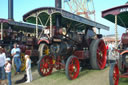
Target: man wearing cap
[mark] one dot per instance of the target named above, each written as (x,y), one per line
(15,52)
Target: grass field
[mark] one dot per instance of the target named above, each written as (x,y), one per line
(123,81)
(86,77)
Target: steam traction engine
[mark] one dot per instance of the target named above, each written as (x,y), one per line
(21,33)
(120,68)
(69,51)
(67,41)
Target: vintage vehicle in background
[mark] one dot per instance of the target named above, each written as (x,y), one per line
(24,34)
(67,41)
(120,68)
(21,33)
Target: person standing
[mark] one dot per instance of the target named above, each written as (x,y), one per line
(8,70)
(28,68)
(2,63)
(15,52)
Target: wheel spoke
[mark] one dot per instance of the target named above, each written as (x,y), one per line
(115,75)
(101,59)
(46,65)
(73,68)
(100,62)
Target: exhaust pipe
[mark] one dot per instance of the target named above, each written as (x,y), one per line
(10,10)
(58,17)
(58,4)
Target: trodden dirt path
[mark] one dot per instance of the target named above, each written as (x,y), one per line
(86,77)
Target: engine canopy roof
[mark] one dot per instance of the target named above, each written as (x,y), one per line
(67,18)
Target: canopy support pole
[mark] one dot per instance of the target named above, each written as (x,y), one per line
(36,26)
(98,30)
(50,25)
(116,32)
(1,31)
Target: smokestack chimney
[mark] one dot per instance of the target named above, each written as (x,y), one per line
(58,17)
(10,10)
(58,4)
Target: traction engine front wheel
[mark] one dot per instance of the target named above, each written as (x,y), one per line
(45,65)
(114,74)
(72,67)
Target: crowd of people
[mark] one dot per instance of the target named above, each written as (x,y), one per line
(111,51)
(6,65)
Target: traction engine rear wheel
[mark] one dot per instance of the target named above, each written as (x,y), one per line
(98,54)
(114,74)
(45,65)
(72,67)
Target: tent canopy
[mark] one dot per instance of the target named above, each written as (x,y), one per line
(120,11)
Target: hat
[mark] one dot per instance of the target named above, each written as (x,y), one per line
(7,59)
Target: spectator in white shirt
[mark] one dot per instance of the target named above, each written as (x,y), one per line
(15,52)
(28,68)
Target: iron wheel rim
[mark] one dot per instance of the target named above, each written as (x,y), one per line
(116,75)
(74,68)
(46,65)
(101,54)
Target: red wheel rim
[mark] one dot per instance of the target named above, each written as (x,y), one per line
(46,65)
(116,75)
(74,68)
(101,54)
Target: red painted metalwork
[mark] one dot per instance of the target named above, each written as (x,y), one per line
(101,54)
(28,52)
(32,52)
(125,75)
(74,68)
(80,54)
(126,51)
(58,64)
(46,65)
(116,75)
(43,40)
